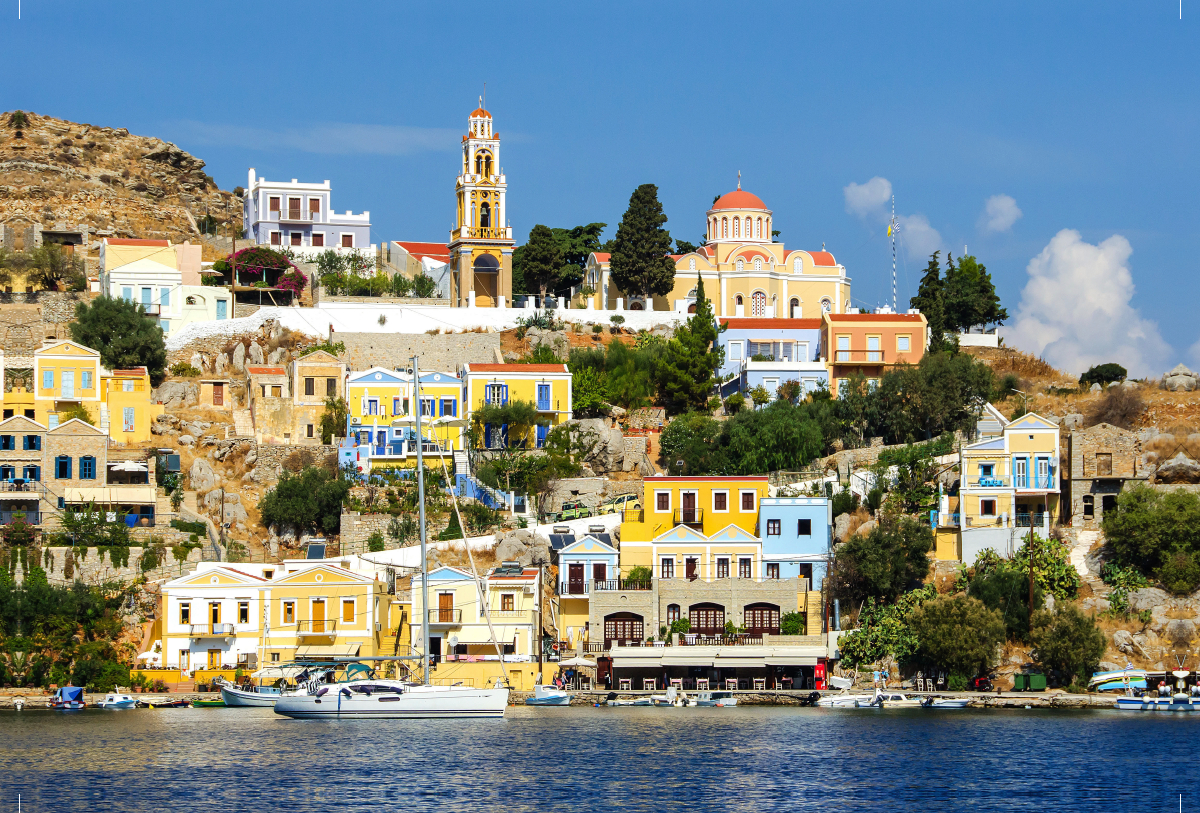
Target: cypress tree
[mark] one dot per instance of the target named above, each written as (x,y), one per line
(639,259)
(687,370)
(541,259)
(930,301)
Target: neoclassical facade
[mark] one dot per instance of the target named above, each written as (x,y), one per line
(481,245)
(745,272)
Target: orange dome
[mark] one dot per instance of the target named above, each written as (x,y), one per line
(739,199)
(480,112)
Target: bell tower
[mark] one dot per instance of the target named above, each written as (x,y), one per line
(481,244)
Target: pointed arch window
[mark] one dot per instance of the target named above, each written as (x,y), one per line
(724,227)
(758,227)
(749,233)
(758,304)
(737,222)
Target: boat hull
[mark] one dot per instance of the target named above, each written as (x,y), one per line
(417,702)
(565,700)
(117,704)
(237,697)
(1167,704)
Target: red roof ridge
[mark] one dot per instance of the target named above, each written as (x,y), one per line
(765,322)
(516,368)
(135,241)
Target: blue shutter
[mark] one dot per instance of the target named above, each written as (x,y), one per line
(504,439)
(441,407)
(48,379)
(503,393)
(542,431)
(487,436)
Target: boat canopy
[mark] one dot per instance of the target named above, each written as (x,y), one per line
(71,694)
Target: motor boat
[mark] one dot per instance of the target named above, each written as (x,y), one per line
(842,700)
(843,683)
(1120,679)
(397,699)
(612,700)
(117,701)
(260,696)
(945,702)
(67,698)
(548,696)
(891,700)
(673,697)
(721,699)
(1179,700)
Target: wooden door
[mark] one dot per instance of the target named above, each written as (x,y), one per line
(575,579)
(446,608)
(218,395)
(599,571)
(318,615)
(689,506)
(690,565)
(214,616)
(185,660)
(214,659)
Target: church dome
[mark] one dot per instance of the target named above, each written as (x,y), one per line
(739,199)
(480,113)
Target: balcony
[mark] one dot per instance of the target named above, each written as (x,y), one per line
(633,515)
(445,618)
(509,615)
(991,481)
(481,233)
(689,516)
(316,629)
(1044,482)
(20,489)
(620,585)
(294,216)
(859,357)
(151,310)
(210,630)
(1033,520)
(544,406)
(30,517)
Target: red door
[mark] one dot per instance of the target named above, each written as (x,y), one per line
(690,566)
(689,507)
(575,585)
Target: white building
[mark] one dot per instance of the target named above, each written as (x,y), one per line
(300,216)
(164,278)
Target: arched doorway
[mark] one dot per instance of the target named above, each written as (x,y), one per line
(623,629)
(758,304)
(794,311)
(761,618)
(707,618)
(486,271)
(636,306)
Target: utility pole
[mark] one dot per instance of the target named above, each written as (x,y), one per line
(421,504)
(1031,555)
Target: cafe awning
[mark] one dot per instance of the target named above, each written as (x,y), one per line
(328,651)
(791,660)
(745,662)
(685,658)
(647,660)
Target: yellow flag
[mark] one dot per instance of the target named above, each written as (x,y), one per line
(889,230)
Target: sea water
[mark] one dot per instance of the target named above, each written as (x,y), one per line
(618,759)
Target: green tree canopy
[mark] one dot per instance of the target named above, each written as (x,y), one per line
(640,263)
(310,502)
(687,371)
(958,633)
(884,563)
(970,298)
(691,438)
(1006,591)
(929,300)
(575,244)
(884,630)
(1068,642)
(1158,534)
(123,335)
(940,393)
(49,266)
(541,260)
(1103,374)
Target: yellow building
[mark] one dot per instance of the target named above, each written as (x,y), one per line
(1009,485)
(316,377)
(745,272)
(481,243)
(461,642)
(66,376)
(382,431)
(546,386)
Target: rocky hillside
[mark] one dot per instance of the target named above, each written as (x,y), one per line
(60,174)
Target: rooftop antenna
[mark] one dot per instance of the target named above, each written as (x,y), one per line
(892,233)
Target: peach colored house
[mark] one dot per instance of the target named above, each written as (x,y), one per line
(870,343)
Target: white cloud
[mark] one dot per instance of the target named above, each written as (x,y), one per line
(868,199)
(917,237)
(330,138)
(1075,309)
(999,213)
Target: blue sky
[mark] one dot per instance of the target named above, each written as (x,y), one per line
(1065,116)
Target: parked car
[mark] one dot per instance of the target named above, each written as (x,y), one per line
(573,510)
(621,502)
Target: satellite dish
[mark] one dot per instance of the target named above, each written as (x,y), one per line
(453,640)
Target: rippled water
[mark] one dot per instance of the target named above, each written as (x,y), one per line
(630,759)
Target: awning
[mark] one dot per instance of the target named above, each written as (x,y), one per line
(686,659)
(289,672)
(333,650)
(651,661)
(741,662)
(108,495)
(791,660)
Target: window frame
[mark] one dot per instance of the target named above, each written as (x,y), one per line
(63,462)
(745,567)
(658,494)
(667,567)
(287,612)
(724,494)
(803,527)
(985,504)
(185,613)
(774,527)
(743,493)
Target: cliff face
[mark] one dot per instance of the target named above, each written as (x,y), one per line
(60,174)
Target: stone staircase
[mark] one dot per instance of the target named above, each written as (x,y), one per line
(103,417)
(243,423)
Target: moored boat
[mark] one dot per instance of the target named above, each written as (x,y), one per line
(385,699)
(717,699)
(891,700)
(548,696)
(162,703)
(842,700)
(117,701)
(67,698)
(260,696)
(208,704)
(945,702)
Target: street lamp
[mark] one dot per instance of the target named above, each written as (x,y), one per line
(1023,395)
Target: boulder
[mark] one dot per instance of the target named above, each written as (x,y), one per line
(1146,644)
(277,356)
(197,361)
(172,394)
(645,467)
(211,501)
(251,456)
(1048,601)
(186,440)
(238,359)
(256,354)
(1147,598)
(233,511)
(1179,469)
(221,364)
(1095,388)
(1180,379)
(866,528)
(841,527)
(511,549)
(201,475)
(616,411)
(1072,421)
(538,553)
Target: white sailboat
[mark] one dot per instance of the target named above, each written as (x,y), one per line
(399,699)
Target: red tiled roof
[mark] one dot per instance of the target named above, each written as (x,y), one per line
(601,256)
(750,322)
(416,247)
(517,368)
(739,199)
(266,371)
(822,258)
(874,317)
(129,241)
(138,371)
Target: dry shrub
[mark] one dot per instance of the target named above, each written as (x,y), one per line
(433,331)
(456,556)
(1024,365)
(298,461)
(1119,406)
(860,516)
(1176,439)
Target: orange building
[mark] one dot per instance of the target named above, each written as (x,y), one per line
(870,343)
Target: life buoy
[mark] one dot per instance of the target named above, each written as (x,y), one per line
(555,647)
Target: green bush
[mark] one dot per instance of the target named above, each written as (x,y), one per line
(681,626)
(791,623)
(735,403)
(375,542)
(958,633)
(184,370)
(189,527)
(1006,591)
(640,573)
(845,502)
(883,630)
(617,319)
(1156,534)
(891,559)
(1103,374)
(1068,642)
(1180,573)
(957,683)
(310,502)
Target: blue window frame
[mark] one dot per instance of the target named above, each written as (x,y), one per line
(222,309)
(62,467)
(8,443)
(8,473)
(33,473)
(87,468)
(32,443)
(164,297)
(48,379)
(85,379)
(127,294)
(543,396)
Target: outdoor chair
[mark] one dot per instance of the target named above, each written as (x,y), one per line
(649,684)
(702,684)
(731,684)
(626,684)
(760,684)
(677,683)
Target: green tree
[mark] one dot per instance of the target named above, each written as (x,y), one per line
(89,527)
(1007,592)
(541,260)
(884,563)
(690,438)
(588,392)
(959,633)
(123,335)
(1068,642)
(49,266)
(631,373)
(941,393)
(1158,534)
(1103,374)
(687,371)
(969,296)
(930,301)
(776,438)
(76,410)
(423,286)
(640,263)
(309,502)
(883,630)
(684,247)
(333,419)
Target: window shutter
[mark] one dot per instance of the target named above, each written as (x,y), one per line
(487,436)
(503,393)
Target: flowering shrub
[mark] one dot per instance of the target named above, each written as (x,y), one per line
(292,280)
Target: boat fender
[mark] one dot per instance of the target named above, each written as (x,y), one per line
(322,692)
(813,697)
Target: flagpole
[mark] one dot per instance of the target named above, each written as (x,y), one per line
(892,234)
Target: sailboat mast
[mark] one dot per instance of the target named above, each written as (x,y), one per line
(421,504)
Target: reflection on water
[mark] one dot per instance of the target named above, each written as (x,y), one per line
(630,759)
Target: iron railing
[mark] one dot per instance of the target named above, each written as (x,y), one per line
(210,630)
(318,627)
(445,616)
(616,585)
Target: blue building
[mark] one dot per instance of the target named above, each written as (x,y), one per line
(797,536)
(791,345)
(300,216)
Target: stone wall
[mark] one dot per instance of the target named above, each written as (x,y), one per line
(357,528)
(27,319)
(97,567)
(241,309)
(325,299)
(273,455)
(442,352)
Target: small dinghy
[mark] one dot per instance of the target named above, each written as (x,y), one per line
(117,701)
(548,696)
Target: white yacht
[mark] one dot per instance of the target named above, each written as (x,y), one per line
(394,699)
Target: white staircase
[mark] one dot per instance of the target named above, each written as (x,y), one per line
(103,417)
(460,463)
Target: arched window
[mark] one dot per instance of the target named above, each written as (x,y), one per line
(797,265)
(737,222)
(724,227)
(623,628)
(738,300)
(487,164)
(191,300)
(692,264)
(478,163)
(740,265)
(758,228)
(758,304)
(761,618)
(749,233)
(826,306)
(472,211)
(707,618)
(795,312)
(770,234)
(636,306)
(672,613)
(485,215)
(758,263)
